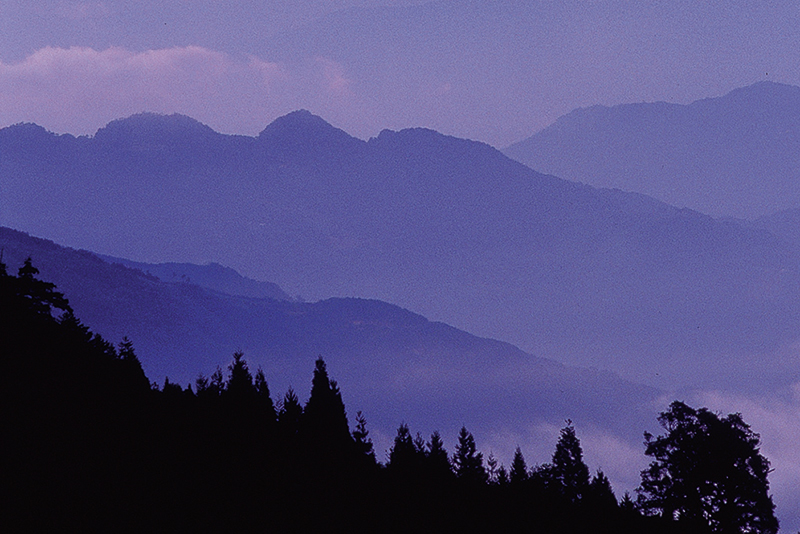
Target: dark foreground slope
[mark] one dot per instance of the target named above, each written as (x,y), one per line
(737,155)
(90,446)
(445,227)
(397,365)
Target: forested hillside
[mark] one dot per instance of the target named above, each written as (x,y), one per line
(91,445)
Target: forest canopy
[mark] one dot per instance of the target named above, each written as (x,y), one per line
(92,444)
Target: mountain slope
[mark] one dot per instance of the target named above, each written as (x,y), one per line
(736,155)
(394,365)
(442,226)
(212,276)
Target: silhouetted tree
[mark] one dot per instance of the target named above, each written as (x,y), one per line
(599,495)
(404,456)
(240,382)
(467,461)
(707,473)
(132,367)
(217,381)
(491,468)
(34,295)
(324,419)
(437,458)
(519,470)
(361,437)
(502,476)
(266,405)
(289,415)
(569,471)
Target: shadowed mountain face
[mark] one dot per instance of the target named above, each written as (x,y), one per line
(393,364)
(442,226)
(212,276)
(736,155)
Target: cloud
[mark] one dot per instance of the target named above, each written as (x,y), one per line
(336,82)
(78,90)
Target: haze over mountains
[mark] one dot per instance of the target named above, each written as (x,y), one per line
(734,156)
(448,228)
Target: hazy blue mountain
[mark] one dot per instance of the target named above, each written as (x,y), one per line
(737,155)
(211,276)
(393,364)
(784,223)
(448,228)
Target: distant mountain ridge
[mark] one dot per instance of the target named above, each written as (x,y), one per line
(737,155)
(211,276)
(445,227)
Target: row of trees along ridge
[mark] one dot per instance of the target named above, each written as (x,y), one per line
(90,444)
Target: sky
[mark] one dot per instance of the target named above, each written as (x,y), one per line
(494,72)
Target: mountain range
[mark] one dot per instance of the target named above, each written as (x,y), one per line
(737,155)
(448,228)
(447,231)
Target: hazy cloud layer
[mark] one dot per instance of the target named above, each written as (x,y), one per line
(77,90)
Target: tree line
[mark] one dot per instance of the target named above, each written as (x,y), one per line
(91,444)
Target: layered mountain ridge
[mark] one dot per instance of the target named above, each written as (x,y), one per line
(446,227)
(735,155)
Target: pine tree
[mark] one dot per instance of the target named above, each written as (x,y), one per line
(41,297)
(519,470)
(569,471)
(404,456)
(436,457)
(600,495)
(240,382)
(131,367)
(467,461)
(289,416)
(266,405)
(361,437)
(324,420)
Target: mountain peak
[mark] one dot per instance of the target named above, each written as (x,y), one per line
(154,127)
(301,134)
(300,124)
(757,97)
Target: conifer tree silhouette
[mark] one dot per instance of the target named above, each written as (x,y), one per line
(363,443)
(266,406)
(519,470)
(568,469)
(467,461)
(437,458)
(289,417)
(324,421)
(240,386)
(403,455)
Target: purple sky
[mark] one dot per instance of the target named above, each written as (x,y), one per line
(495,74)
